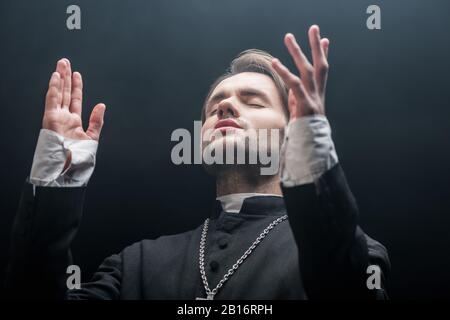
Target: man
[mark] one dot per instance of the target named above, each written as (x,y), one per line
(287,236)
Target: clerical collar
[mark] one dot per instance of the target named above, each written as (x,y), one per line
(250,203)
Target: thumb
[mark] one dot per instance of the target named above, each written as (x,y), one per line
(96,121)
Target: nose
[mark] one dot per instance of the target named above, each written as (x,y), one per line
(227,109)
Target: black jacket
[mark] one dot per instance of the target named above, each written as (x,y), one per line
(319,252)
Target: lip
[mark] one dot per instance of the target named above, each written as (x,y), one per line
(227,124)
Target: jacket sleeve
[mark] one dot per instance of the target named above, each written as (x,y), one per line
(334,252)
(45,225)
(104,285)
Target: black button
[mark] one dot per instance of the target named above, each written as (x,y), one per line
(223,243)
(214,265)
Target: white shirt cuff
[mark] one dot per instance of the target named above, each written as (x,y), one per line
(308,151)
(52,150)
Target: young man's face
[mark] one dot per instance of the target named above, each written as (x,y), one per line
(240,104)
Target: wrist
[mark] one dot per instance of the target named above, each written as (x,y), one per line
(60,161)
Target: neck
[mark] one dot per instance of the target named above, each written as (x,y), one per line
(237,179)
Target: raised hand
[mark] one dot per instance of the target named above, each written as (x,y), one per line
(306,90)
(63,104)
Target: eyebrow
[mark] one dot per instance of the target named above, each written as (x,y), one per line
(244,92)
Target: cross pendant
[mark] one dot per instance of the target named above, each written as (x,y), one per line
(210,296)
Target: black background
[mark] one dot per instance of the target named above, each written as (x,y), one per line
(152,62)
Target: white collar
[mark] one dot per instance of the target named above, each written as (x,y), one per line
(233,202)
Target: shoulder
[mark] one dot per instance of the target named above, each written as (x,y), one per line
(167,244)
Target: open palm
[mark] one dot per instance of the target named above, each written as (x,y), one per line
(63,105)
(307,85)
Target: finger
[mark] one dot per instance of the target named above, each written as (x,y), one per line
(96,121)
(53,93)
(77,93)
(314,41)
(304,67)
(292,81)
(325,43)
(60,68)
(319,60)
(67,86)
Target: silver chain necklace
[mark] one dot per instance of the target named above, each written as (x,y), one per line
(211,293)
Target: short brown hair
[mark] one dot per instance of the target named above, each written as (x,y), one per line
(252,60)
